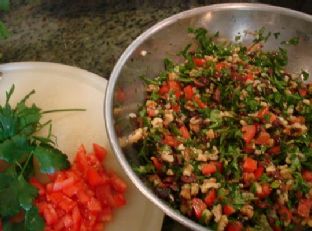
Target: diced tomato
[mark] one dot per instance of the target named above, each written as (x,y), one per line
(184,132)
(170,140)
(199,102)
(259,171)
(164,89)
(94,178)
(285,214)
(211,197)
(266,191)
(275,150)
(263,138)
(219,165)
(199,62)
(307,175)
(100,152)
(71,190)
(250,165)
(61,184)
(264,112)
(81,198)
(234,226)
(208,168)
(175,107)
(249,132)
(303,92)
(249,76)
(304,208)
(175,87)
(118,184)
(81,159)
(198,206)
(188,92)
(119,200)
(157,164)
(50,214)
(228,210)
(220,66)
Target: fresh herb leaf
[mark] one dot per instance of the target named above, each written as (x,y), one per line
(50,159)
(33,221)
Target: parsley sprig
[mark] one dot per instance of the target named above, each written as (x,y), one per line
(20,147)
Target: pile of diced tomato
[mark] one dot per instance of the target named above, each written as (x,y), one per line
(82,197)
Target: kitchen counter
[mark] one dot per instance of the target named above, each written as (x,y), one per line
(91,34)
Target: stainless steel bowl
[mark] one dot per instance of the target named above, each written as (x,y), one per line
(165,39)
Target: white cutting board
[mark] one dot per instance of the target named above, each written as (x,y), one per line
(59,86)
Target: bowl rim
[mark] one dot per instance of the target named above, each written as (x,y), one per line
(108,102)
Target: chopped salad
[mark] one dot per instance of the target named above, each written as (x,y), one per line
(225,136)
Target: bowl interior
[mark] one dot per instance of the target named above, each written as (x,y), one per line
(170,36)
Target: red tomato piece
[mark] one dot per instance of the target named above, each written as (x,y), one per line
(304,208)
(263,138)
(250,165)
(81,198)
(220,66)
(50,214)
(164,89)
(208,168)
(275,150)
(284,213)
(171,141)
(303,92)
(228,210)
(188,92)
(184,132)
(219,165)
(199,62)
(198,206)
(234,226)
(266,191)
(211,197)
(307,175)
(249,76)
(259,171)
(118,184)
(265,112)
(81,159)
(157,164)
(61,184)
(119,200)
(199,102)
(249,132)
(175,107)
(175,87)
(99,151)
(94,178)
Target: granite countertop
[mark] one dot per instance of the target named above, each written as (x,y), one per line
(91,34)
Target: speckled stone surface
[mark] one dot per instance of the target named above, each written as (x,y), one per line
(91,34)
